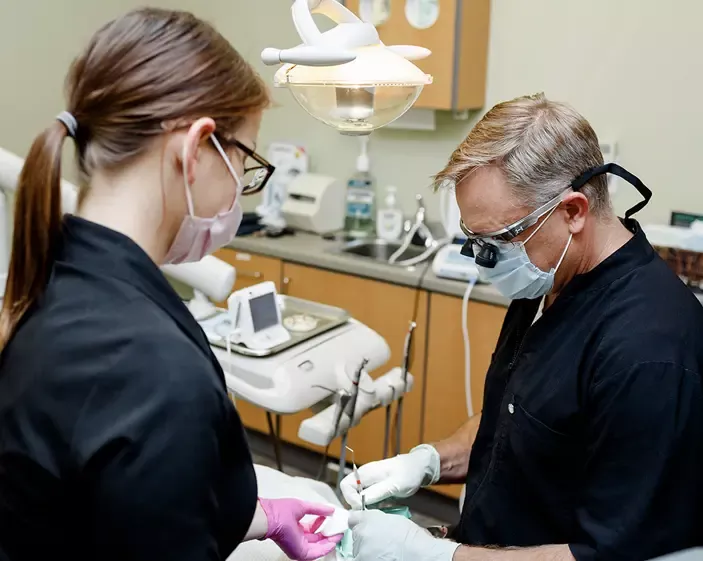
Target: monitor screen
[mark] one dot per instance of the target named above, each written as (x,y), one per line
(263,311)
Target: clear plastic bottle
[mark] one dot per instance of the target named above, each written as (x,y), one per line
(389,223)
(360,221)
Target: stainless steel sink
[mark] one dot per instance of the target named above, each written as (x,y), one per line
(380,250)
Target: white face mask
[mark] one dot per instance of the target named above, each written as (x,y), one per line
(515,276)
(198,237)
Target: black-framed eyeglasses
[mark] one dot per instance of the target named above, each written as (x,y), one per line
(257,169)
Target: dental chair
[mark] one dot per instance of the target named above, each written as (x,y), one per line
(274,485)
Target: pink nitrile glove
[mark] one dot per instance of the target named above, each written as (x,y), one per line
(297,540)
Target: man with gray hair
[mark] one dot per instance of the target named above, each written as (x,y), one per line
(590,441)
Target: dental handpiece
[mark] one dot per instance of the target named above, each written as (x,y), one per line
(350,411)
(355,389)
(399,410)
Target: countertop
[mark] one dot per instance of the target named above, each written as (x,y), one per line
(309,249)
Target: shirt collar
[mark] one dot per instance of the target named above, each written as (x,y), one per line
(635,253)
(105,253)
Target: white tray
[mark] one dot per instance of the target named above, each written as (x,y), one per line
(328,317)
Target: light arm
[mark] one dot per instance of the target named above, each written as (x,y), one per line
(211,276)
(10,169)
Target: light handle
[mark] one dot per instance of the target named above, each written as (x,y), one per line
(307,55)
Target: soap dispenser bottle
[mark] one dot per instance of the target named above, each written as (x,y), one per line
(389,223)
(360,213)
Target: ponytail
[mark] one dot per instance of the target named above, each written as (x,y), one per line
(37,225)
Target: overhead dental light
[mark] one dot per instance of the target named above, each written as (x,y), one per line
(346,77)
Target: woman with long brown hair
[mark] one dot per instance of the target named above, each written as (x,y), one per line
(117,439)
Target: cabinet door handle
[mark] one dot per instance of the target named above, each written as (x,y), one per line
(286,282)
(247,274)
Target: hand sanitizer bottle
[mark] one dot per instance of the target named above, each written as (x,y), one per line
(389,223)
(361,216)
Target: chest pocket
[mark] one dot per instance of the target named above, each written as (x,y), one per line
(545,465)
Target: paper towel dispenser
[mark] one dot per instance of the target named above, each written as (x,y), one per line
(315,203)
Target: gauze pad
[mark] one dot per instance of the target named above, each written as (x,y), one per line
(336,524)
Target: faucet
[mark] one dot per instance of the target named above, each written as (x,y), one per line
(416,234)
(420,231)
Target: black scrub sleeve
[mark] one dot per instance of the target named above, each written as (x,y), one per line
(153,436)
(644,491)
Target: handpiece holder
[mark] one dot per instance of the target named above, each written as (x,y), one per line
(323,428)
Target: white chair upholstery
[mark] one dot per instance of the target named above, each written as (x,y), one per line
(276,485)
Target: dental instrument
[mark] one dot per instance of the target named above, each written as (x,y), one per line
(355,386)
(359,488)
(387,431)
(399,409)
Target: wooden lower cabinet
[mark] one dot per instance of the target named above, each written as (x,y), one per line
(445,391)
(387,309)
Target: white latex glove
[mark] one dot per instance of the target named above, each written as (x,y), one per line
(400,477)
(389,537)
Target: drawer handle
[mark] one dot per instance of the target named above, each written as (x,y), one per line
(255,275)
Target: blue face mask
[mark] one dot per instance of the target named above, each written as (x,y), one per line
(515,276)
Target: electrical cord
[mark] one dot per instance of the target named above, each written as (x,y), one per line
(228,345)
(467,346)
(416,310)
(450,217)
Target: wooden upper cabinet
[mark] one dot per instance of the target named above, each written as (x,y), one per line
(458,39)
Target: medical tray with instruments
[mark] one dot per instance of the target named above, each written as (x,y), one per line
(326,318)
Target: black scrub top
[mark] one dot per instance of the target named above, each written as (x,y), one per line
(592,426)
(117,438)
